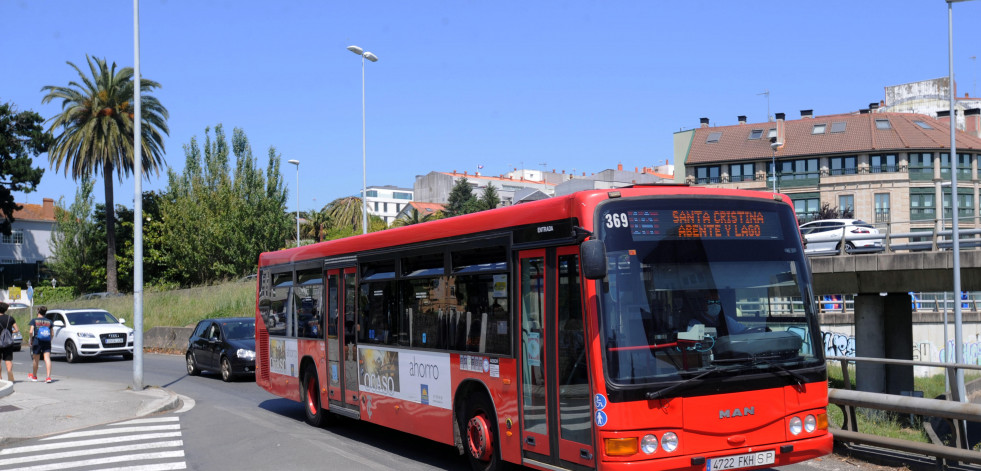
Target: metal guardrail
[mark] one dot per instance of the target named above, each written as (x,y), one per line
(938,239)
(956,412)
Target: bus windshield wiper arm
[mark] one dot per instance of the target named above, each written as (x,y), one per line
(683,384)
(757,359)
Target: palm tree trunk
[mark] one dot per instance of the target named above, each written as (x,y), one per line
(111,274)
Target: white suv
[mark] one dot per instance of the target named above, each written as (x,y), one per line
(824,236)
(81,333)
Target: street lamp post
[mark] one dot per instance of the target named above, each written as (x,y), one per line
(297,163)
(364,167)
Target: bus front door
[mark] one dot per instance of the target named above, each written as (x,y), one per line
(557,426)
(342,354)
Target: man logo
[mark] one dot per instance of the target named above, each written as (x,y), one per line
(727,413)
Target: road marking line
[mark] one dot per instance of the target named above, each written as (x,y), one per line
(147,421)
(92,451)
(151,467)
(94,441)
(114,430)
(100,461)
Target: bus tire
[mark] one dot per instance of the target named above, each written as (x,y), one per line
(478,426)
(315,414)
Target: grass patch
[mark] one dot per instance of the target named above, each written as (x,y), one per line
(176,308)
(881,423)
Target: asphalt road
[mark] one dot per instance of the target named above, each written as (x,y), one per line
(240,426)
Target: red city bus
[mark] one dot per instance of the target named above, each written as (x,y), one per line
(662,326)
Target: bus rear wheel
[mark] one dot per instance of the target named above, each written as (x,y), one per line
(315,415)
(480,441)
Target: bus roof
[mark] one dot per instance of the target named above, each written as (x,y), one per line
(551,209)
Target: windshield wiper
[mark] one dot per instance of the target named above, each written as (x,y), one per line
(683,384)
(757,359)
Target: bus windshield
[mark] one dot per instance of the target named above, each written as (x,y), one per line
(696,284)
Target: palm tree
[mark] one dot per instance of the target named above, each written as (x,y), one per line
(96,134)
(344,212)
(415,217)
(317,223)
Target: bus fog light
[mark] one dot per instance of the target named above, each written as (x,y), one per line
(795,426)
(648,444)
(669,441)
(810,423)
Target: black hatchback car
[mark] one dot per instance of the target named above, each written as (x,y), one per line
(225,345)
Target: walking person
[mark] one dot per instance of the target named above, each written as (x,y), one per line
(41,343)
(8,323)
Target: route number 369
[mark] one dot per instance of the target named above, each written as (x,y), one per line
(616,220)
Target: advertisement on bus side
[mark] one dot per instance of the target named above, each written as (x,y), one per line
(282,356)
(420,377)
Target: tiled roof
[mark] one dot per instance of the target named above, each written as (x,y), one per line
(426,208)
(860,136)
(36,212)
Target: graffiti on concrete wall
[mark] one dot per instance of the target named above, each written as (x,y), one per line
(972,353)
(838,345)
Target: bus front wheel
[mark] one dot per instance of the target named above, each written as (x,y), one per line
(315,415)
(480,440)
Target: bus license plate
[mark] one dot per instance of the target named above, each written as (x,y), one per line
(741,461)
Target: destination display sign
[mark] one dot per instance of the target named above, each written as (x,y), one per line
(676,224)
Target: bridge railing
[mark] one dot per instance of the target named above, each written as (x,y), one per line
(956,412)
(912,241)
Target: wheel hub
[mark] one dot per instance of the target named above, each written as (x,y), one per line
(479,438)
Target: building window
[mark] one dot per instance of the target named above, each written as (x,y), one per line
(806,207)
(819,128)
(881,207)
(385,207)
(372,193)
(921,163)
(707,174)
(882,124)
(714,137)
(838,126)
(401,195)
(16,237)
(756,134)
(882,163)
(376,206)
(846,203)
(844,165)
(741,173)
(798,169)
(965,204)
(922,124)
(771,133)
(922,206)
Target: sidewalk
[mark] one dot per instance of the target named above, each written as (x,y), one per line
(30,410)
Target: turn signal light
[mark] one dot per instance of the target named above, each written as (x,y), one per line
(621,446)
(822,421)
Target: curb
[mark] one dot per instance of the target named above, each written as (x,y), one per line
(6,388)
(170,402)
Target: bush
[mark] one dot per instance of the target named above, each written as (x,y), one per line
(49,295)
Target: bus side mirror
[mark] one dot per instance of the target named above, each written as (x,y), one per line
(593,253)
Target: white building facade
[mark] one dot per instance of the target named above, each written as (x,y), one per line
(386,201)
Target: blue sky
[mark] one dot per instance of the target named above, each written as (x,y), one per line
(567,85)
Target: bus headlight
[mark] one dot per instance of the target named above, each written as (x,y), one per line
(648,444)
(669,441)
(795,426)
(810,423)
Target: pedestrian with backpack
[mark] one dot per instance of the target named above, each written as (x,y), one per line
(8,325)
(41,342)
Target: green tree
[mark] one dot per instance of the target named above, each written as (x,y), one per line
(316,226)
(96,134)
(489,198)
(215,220)
(343,213)
(22,137)
(73,259)
(462,199)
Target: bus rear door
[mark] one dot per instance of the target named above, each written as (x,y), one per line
(557,425)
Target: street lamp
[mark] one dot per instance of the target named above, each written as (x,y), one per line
(297,163)
(364,168)
(774,145)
